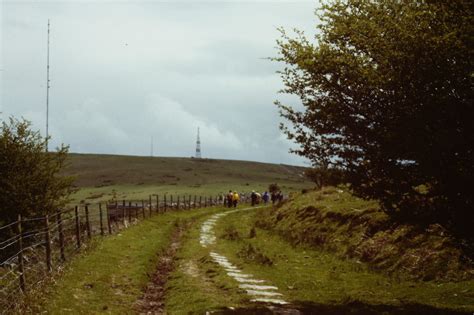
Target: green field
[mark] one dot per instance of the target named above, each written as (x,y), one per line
(134,177)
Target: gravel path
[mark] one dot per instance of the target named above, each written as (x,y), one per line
(259,290)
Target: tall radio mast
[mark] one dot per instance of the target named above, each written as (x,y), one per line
(47,94)
(198,146)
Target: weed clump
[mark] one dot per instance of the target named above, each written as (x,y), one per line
(252,233)
(230,233)
(252,254)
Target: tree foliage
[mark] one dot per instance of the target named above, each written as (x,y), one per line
(30,183)
(325,176)
(387,90)
(273,188)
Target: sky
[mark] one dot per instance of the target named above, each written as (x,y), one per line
(124,73)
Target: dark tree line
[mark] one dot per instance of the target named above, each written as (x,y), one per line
(387,89)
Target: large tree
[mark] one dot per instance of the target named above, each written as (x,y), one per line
(387,90)
(30,183)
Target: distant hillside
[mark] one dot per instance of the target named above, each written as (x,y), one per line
(102,173)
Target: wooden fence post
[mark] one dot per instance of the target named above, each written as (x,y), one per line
(143,209)
(189,203)
(129,212)
(165,202)
(21,268)
(61,236)
(47,241)
(200,201)
(157,203)
(88,223)
(109,225)
(151,208)
(177,203)
(194,206)
(171,202)
(123,212)
(78,232)
(101,223)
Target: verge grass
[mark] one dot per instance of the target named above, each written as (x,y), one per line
(109,276)
(307,275)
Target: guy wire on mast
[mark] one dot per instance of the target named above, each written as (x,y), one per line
(47,93)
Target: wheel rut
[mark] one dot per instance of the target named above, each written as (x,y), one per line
(152,300)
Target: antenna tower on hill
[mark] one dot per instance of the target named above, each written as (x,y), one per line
(198,146)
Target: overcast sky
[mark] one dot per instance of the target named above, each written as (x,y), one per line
(124,71)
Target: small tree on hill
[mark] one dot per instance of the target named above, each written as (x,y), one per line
(325,176)
(273,188)
(387,88)
(30,183)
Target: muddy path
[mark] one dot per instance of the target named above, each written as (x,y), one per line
(152,301)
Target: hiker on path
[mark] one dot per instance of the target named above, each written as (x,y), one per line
(253,198)
(235,199)
(230,197)
(265,197)
(280,196)
(274,197)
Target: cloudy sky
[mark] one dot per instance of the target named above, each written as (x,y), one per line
(125,71)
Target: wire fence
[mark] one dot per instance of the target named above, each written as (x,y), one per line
(37,247)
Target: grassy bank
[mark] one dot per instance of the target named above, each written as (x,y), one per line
(337,222)
(318,280)
(109,276)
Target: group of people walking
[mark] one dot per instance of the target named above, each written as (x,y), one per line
(232,198)
(256,197)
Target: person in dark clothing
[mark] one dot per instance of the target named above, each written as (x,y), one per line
(280,196)
(274,197)
(230,197)
(253,198)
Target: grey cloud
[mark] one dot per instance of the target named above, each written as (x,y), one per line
(122,72)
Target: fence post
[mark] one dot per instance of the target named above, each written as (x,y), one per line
(151,208)
(200,201)
(194,206)
(123,212)
(47,240)
(88,223)
(20,255)
(189,202)
(165,202)
(143,209)
(129,212)
(61,236)
(78,232)
(101,223)
(171,201)
(109,226)
(178,203)
(157,204)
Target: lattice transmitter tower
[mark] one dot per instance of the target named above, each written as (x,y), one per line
(198,146)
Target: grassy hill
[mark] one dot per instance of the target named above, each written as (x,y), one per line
(99,177)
